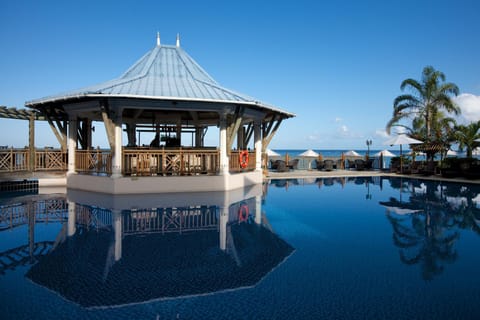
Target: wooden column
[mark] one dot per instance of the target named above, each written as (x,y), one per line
(199,136)
(131,134)
(241,138)
(88,133)
(31,141)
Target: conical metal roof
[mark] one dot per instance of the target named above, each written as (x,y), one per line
(164,72)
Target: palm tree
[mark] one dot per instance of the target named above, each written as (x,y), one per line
(424,105)
(467,135)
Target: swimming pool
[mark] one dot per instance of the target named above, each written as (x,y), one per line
(336,248)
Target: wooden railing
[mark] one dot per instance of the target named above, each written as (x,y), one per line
(165,220)
(95,161)
(140,162)
(42,210)
(15,160)
(50,160)
(170,161)
(235,161)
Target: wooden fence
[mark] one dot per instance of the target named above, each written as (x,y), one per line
(15,160)
(170,161)
(136,162)
(235,164)
(95,161)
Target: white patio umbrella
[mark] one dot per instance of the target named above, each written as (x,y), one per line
(272,153)
(452,153)
(401,139)
(384,153)
(309,154)
(352,153)
(399,207)
(400,211)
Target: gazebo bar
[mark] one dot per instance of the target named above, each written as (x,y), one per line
(165,92)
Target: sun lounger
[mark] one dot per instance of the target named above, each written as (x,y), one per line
(428,169)
(328,165)
(293,164)
(359,164)
(320,164)
(351,164)
(282,166)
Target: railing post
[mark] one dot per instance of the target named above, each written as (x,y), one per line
(11,159)
(99,158)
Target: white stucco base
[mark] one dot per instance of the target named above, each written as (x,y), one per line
(163,184)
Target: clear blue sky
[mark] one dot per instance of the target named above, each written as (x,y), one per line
(337,65)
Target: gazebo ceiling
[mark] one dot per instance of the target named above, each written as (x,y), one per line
(164,76)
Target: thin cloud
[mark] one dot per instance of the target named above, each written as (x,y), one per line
(343,130)
(470,106)
(381,133)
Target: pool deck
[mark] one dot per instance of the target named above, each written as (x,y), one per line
(301,174)
(45,179)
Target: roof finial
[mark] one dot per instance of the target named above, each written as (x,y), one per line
(158,39)
(178,40)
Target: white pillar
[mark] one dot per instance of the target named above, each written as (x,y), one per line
(224,162)
(71,219)
(223,227)
(72,143)
(117,154)
(257,136)
(117,227)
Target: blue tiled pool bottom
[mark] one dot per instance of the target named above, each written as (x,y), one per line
(325,249)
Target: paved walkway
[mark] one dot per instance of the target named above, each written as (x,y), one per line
(300,174)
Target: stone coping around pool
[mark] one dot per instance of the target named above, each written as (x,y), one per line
(299,174)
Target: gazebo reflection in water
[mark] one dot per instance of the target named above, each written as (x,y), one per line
(170,247)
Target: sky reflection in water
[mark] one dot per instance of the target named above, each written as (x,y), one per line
(318,248)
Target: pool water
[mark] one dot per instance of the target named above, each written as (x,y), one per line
(336,248)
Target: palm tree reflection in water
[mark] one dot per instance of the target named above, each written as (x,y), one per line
(429,223)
